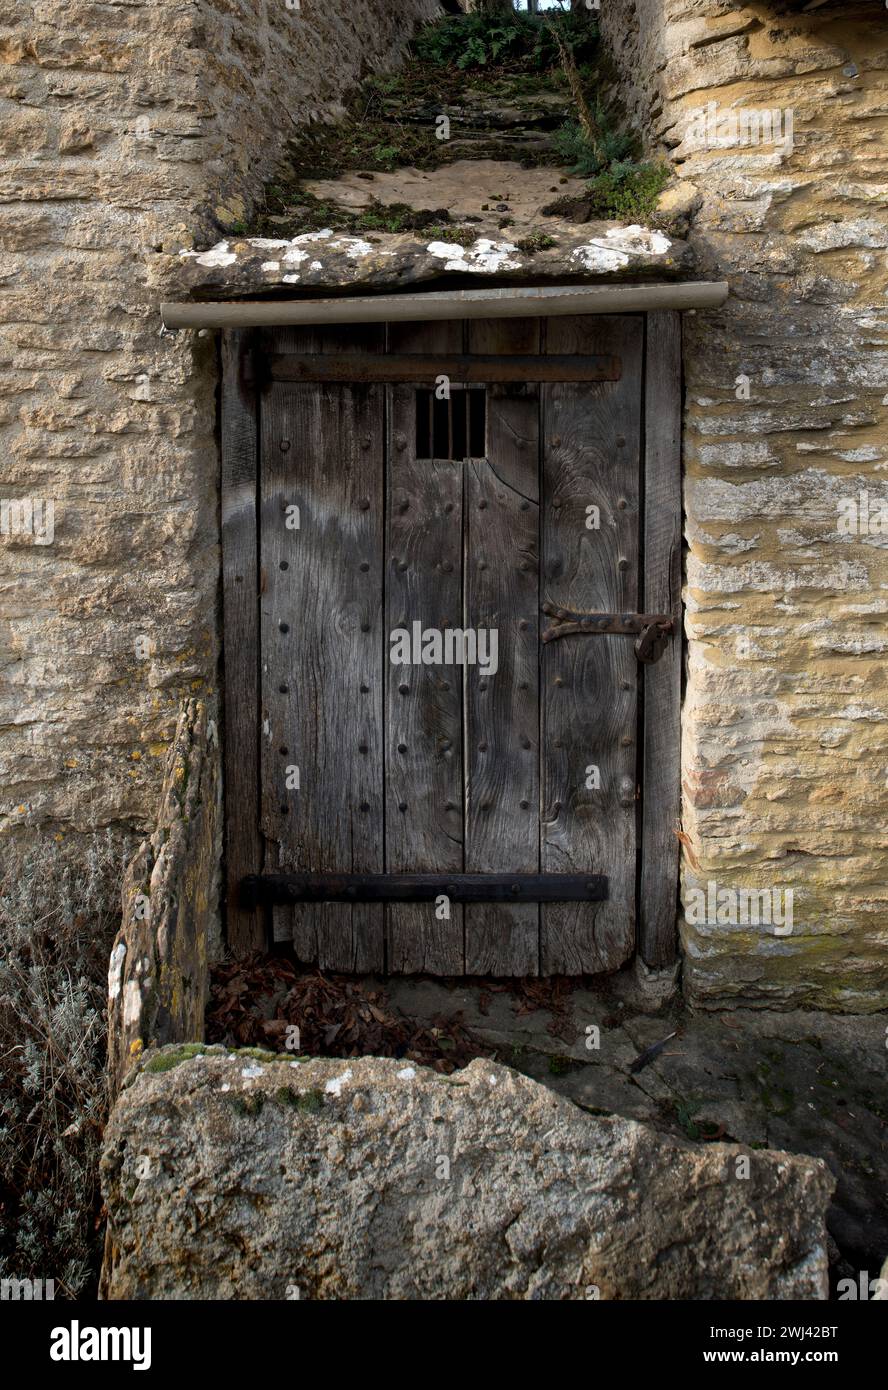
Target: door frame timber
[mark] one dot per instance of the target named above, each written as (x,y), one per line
(659,772)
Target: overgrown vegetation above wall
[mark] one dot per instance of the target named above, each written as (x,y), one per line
(482,40)
(482,86)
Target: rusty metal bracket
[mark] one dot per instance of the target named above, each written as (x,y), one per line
(652,630)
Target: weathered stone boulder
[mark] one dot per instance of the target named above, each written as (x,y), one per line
(252,1176)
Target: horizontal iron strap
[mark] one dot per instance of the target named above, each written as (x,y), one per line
(280,889)
(416,367)
(566,623)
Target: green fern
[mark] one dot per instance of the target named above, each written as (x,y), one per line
(483,40)
(575,149)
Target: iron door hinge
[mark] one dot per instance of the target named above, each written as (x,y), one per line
(651,630)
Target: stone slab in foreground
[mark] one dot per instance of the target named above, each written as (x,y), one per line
(241,1176)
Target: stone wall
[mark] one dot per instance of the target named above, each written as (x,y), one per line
(123,133)
(126,134)
(785,743)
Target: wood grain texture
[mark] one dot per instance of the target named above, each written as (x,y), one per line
(243,849)
(661,785)
(418,769)
(424,752)
(591,447)
(501,591)
(322,649)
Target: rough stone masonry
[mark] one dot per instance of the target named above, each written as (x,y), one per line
(125,134)
(784,735)
(131,136)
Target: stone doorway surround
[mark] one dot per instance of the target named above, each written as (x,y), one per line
(783,436)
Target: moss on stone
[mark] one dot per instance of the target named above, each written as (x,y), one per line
(250,1103)
(308,1102)
(172,1057)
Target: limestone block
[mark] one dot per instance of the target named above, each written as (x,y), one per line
(254,1176)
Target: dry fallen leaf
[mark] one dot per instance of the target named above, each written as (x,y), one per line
(689,850)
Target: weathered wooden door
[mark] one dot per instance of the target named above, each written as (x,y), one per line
(409,693)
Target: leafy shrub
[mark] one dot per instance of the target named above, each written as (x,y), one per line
(575,149)
(627,191)
(57,923)
(484,40)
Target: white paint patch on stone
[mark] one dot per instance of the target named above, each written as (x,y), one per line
(353,247)
(335,1084)
(594,257)
(407,1073)
(290,279)
(248,1073)
(445,250)
(638,240)
(614,249)
(115,970)
(218,255)
(271,265)
(484,257)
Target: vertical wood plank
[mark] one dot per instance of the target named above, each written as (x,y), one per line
(245,930)
(661,785)
(297,925)
(322,648)
(501,592)
(423,757)
(591,457)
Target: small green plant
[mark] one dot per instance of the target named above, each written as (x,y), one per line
(536,241)
(685,1113)
(577,151)
(385,156)
(627,191)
